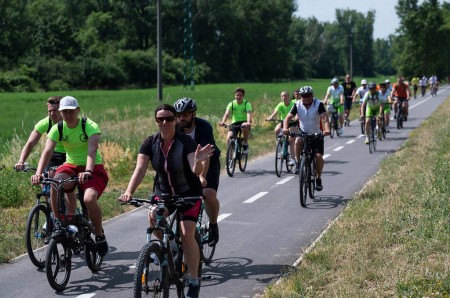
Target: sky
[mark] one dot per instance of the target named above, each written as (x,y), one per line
(386,20)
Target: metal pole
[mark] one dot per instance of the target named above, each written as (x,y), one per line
(351,60)
(159,50)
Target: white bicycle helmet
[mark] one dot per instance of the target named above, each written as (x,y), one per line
(185,104)
(306,90)
(334,81)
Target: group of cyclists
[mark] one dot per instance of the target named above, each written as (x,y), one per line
(183,151)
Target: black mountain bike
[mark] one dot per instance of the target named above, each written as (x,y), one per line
(399,115)
(282,152)
(334,120)
(161,262)
(235,152)
(75,237)
(39,224)
(308,165)
(373,134)
(383,126)
(203,229)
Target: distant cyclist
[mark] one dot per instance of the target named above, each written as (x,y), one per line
(360,92)
(282,109)
(241,117)
(415,84)
(334,99)
(400,92)
(423,85)
(349,92)
(310,112)
(386,100)
(201,131)
(373,106)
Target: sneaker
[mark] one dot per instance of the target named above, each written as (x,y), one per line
(319,185)
(292,162)
(213,237)
(367,141)
(102,245)
(297,168)
(387,128)
(245,149)
(193,291)
(341,131)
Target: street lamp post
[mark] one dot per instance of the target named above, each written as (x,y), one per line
(351,53)
(159,50)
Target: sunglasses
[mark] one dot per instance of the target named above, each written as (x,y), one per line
(167,119)
(52,102)
(184,114)
(307,95)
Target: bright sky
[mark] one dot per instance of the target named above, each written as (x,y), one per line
(386,20)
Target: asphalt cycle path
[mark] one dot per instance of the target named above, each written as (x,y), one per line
(263,228)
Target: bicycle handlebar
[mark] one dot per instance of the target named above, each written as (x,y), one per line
(166,199)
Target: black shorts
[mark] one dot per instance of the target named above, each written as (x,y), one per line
(318,146)
(213,175)
(348,104)
(291,124)
(57,159)
(415,87)
(236,127)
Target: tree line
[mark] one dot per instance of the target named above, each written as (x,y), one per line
(110,44)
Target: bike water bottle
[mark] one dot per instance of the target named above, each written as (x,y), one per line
(73,230)
(174,249)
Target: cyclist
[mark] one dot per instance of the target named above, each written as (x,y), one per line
(178,161)
(373,106)
(415,84)
(335,93)
(83,160)
(385,97)
(296,95)
(282,109)
(361,91)
(241,113)
(388,86)
(423,85)
(400,93)
(434,83)
(310,112)
(201,131)
(349,92)
(44,126)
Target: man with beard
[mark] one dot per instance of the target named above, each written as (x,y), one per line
(201,131)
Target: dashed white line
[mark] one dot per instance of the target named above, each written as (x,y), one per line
(86,295)
(349,142)
(360,136)
(338,148)
(255,197)
(285,180)
(326,155)
(223,216)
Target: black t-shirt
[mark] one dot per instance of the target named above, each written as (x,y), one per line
(174,174)
(348,88)
(204,135)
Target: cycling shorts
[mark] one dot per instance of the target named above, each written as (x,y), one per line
(99,177)
(415,87)
(387,108)
(317,145)
(212,177)
(188,212)
(291,124)
(236,127)
(348,104)
(57,159)
(372,112)
(338,107)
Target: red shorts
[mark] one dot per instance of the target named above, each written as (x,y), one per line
(99,177)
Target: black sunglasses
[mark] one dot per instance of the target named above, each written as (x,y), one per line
(52,102)
(185,114)
(167,119)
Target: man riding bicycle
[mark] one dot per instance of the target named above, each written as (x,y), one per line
(310,112)
(400,93)
(335,94)
(373,106)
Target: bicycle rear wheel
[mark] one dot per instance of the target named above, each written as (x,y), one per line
(312,184)
(207,251)
(93,259)
(303,179)
(151,279)
(279,158)
(58,263)
(399,119)
(372,139)
(332,128)
(336,124)
(231,160)
(242,160)
(39,226)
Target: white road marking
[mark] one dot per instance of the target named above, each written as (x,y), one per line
(339,148)
(223,216)
(86,295)
(255,197)
(326,156)
(360,136)
(349,142)
(285,180)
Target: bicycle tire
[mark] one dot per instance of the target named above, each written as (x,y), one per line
(336,124)
(150,277)
(279,158)
(58,260)
(399,120)
(35,234)
(242,160)
(303,181)
(332,128)
(93,259)
(231,160)
(312,184)
(363,128)
(372,137)
(207,251)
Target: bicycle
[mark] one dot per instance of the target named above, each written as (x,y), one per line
(75,237)
(433,89)
(334,120)
(308,165)
(282,152)
(39,225)
(235,152)
(373,132)
(160,262)
(399,115)
(383,126)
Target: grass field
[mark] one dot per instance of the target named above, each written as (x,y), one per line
(125,118)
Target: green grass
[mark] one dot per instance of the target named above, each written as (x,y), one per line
(393,239)
(125,118)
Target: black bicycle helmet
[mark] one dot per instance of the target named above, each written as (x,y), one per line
(306,90)
(185,104)
(372,85)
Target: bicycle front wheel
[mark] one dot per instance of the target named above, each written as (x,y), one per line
(231,160)
(332,128)
(279,159)
(151,279)
(39,227)
(242,160)
(58,263)
(312,182)
(207,251)
(303,179)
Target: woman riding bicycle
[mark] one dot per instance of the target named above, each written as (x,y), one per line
(177,161)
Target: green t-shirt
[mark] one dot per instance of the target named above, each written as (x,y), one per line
(42,127)
(283,110)
(239,111)
(75,143)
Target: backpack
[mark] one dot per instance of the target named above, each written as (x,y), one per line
(83,127)
(50,124)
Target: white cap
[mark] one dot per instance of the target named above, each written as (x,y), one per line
(387,81)
(363,82)
(68,103)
